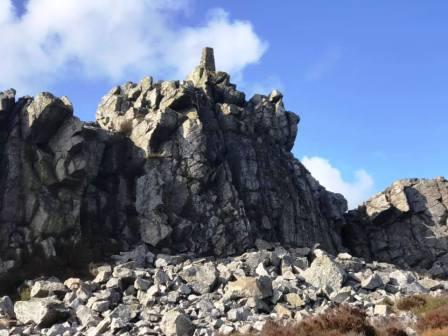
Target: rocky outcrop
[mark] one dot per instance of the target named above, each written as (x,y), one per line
(61,180)
(407,225)
(187,166)
(218,171)
(191,166)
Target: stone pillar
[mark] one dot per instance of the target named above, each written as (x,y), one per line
(208,59)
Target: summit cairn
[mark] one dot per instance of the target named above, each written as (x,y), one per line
(208,59)
(206,69)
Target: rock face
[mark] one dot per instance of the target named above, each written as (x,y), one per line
(218,172)
(407,225)
(187,166)
(190,165)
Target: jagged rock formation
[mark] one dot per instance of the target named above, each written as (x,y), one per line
(186,165)
(189,166)
(407,224)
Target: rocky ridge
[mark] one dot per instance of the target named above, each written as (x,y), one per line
(195,176)
(191,166)
(407,225)
(139,293)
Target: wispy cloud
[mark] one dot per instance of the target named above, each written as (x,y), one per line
(324,64)
(356,191)
(115,39)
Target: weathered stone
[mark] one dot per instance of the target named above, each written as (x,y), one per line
(324,273)
(371,282)
(175,323)
(261,270)
(381,309)
(103,276)
(155,230)
(73,283)
(226,329)
(294,300)
(341,296)
(6,308)
(282,311)
(48,288)
(201,278)
(100,328)
(58,329)
(401,278)
(124,313)
(238,314)
(43,116)
(142,284)
(430,284)
(100,306)
(263,245)
(43,311)
(85,315)
(405,225)
(249,287)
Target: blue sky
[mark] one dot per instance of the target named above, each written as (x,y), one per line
(368,78)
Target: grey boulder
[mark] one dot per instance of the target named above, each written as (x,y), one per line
(324,273)
(175,323)
(42,311)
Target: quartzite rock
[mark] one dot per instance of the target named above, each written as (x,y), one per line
(175,323)
(6,308)
(43,288)
(43,311)
(201,278)
(249,287)
(187,165)
(324,273)
(170,308)
(407,224)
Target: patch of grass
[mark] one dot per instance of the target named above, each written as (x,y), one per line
(422,304)
(390,327)
(432,303)
(388,302)
(434,319)
(341,321)
(436,332)
(411,302)
(395,332)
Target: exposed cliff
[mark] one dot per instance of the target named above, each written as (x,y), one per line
(407,225)
(187,165)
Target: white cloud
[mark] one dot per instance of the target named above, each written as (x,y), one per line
(5,11)
(356,191)
(115,39)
